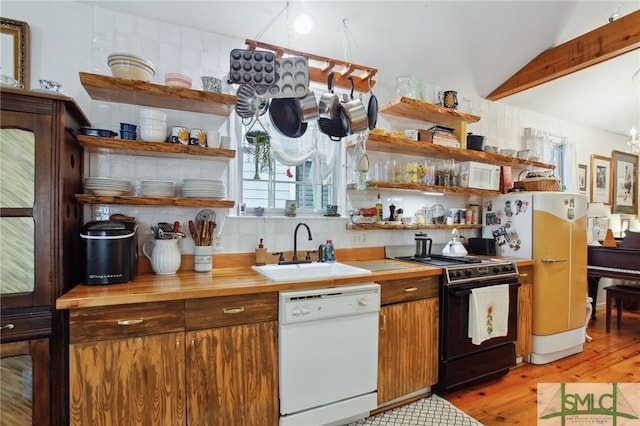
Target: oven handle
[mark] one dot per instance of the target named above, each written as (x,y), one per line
(467,292)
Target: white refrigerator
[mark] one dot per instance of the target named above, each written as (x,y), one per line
(551,228)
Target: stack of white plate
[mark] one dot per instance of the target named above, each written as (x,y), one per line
(203,188)
(157,188)
(109,187)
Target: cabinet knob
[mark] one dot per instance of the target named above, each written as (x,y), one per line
(410,289)
(9,326)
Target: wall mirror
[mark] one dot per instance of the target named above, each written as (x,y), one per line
(14,51)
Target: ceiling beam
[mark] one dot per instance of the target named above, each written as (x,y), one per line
(613,39)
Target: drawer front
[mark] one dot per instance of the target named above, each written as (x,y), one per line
(230,310)
(409,289)
(122,321)
(25,325)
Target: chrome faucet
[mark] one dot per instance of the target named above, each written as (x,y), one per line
(295,241)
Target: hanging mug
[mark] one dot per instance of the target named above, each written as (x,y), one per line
(448,98)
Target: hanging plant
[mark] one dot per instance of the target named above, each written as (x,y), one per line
(259,146)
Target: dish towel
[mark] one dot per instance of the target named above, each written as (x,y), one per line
(488,313)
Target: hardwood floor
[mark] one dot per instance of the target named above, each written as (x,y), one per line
(511,400)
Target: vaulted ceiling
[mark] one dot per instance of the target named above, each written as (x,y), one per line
(472,46)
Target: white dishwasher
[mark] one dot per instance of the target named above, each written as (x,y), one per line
(328,354)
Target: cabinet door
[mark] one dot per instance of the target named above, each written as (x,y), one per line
(525,312)
(24,366)
(232,375)
(408,348)
(134,381)
(25,210)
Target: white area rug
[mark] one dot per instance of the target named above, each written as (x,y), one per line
(429,411)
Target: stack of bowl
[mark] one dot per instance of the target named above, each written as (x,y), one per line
(128,131)
(153,125)
(131,67)
(177,80)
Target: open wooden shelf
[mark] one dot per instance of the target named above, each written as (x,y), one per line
(393,145)
(112,89)
(428,188)
(154,201)
(414,109)
(373,226)
(151,149)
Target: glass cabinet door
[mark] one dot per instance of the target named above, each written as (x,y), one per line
(25,212)
(24,367)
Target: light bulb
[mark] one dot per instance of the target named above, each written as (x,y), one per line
(302,24)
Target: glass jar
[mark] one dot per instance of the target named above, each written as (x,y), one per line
(437,213)
(403,88)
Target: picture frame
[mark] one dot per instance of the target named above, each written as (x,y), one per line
(625,182)
(14,42)
(582,177)
(625,224)
(600,180)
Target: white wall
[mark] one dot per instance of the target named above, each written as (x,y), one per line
(68,37)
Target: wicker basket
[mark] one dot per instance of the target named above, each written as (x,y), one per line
(540,184)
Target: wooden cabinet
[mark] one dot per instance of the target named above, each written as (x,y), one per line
(408,339)
(127,365)
(209,361)
(525,312)
(112,89)
(40,221)
(232,360)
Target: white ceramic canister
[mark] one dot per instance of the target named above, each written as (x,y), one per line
(164,257)
(202,259)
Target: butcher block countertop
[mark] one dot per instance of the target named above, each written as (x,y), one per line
(227,280)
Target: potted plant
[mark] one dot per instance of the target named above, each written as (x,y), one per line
(259,146)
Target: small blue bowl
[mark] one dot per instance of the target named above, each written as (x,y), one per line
(126,127)
(128,135)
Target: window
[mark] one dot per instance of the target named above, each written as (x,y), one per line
(310,182)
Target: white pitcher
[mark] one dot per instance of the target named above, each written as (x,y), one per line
(164,257)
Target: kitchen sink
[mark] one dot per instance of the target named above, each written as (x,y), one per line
(309,271)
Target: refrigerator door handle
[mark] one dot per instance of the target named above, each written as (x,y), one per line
(547,260)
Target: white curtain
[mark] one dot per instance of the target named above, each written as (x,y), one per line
(313,145)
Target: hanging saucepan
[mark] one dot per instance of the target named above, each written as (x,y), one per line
(329,103)
(307,107)
(372,109)
(353,114)
(286,118)
(329,109)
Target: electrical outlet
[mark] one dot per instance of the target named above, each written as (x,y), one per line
(217,241)
(359,239)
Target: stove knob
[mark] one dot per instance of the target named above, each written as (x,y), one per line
(469,272)
(496,269)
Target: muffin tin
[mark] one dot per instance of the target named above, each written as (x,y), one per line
(271,77)
(252,66)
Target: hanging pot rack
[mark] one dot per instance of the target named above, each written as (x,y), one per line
(362,75)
